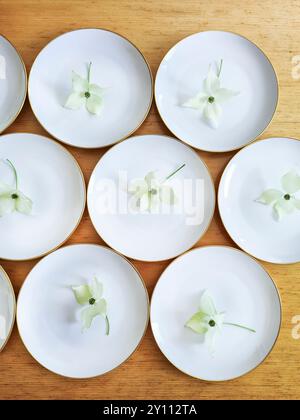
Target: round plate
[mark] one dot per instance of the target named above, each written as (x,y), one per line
(250,224)
(149,236)
(47,312)
(52,179)
(246,69)
(13,83)
(117,65)
(241,288)
(7,308)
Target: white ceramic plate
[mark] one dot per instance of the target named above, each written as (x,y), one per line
(13,83)
(250,224)
(246,69)
(117,65)
(47,312)
(169,231)
(52,179)
(7,308)
(241,288)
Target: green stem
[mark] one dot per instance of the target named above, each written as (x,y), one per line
(239,326)
(89,73)
(175,172)
(14,171)
(220,68)
(107,325)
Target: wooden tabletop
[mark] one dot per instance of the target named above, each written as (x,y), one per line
(154,27)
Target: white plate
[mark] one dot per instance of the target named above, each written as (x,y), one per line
(241,288)
(250,224)
(171,230)
(246,69)
(7,308)
(13,83)
(52,179)
(47,312)
(117,65)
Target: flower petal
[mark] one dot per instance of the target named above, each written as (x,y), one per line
(79,84)
(138,187)
(270,196)
(96,289)
(283,207)
(96,90)
(167,195)
(5,189)
(82,294)
(198,323)
(75,101)
(89,313)
(23,204)
(7,205)
(197,102)
(291,182)
(212,113)
(144,202)
(94,104)
(207,305)
(296,203)
(154,201)
(210,339)
(212,83)
(150,178)
(223,95)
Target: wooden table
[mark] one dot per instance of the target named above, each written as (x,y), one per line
(154,27)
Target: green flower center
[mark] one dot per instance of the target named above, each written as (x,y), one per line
(287,197)
(87,94)
(92,301)
(153,191)
(211,99)
(212,323)
(14,196)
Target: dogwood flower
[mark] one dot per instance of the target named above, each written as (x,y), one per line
(90,296)
(149,192)
(12,199)
(86,93)
(210,99)
(209,322)
(283,202)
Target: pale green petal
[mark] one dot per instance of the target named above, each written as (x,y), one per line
(212,83)
(198,323)
(210,339)
(75,101)
(89,313)
(197,102)
(94,104)
(207,305)
(212,113)
(223,95)
(270,196)
(219,320)
(151,180)
(144,202)
(283,207)
(79,84)
(138,187)
(96,289)
(167,195)
(291,182)
(5,189)
(7,205)
(154,201)
(296,203)
(82,294)
(23,204)
(96,90)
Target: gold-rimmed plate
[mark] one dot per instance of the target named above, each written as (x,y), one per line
(117,66)
(7,308)
(13,83)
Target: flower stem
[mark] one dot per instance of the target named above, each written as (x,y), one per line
(107,325)
(14,171)
(220,68)
(175,172)
(239,326)
(89,73)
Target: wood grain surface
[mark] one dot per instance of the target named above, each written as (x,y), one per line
(154,27)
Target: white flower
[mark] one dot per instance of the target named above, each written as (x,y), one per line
(86,93)
(283,202)
(12,199)
(210,99)
(149,192)
(90,295)
(209,322)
